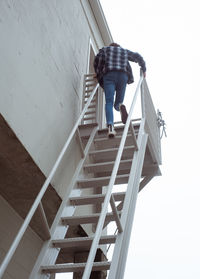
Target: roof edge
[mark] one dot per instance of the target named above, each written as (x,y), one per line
(101,21)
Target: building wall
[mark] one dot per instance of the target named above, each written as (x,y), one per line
(44,54)
(43,58)
(30,245)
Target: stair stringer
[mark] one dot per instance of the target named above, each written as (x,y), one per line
(121,246)
(48,254)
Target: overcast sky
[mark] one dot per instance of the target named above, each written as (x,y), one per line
(165,241)
(166,232)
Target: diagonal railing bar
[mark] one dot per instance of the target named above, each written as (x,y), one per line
(30,214)
(115,213)
(100,224)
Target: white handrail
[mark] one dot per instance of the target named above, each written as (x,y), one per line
(121,244)
(99,228)
(43,189)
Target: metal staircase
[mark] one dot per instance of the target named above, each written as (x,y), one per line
(130,160)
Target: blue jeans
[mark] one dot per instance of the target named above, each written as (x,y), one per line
(114,81)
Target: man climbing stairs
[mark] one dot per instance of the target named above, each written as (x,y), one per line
(130,160)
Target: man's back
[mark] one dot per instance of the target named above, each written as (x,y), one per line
(116,58)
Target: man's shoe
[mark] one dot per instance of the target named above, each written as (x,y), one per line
(124,114)
(111,131)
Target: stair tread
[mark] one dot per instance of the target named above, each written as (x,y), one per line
(106,163)
(89,118)
(100,167)
(90,112)
(98,198)
(74,267)
(85,219)
(101,181)
(104,142)
(94,152)
(99,178)
(109,153)
(90,125)
(92,106)
(119,127)
(117,137)
(93,102)
(82,241)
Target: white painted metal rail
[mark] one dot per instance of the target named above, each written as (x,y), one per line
(151,125)
(100,225)
(122,241)
(38,199)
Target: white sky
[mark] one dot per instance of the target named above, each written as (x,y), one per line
(165,241)
(166,233)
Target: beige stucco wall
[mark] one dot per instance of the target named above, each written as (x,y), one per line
(43,58)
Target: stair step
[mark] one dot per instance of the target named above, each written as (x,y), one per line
(92,106)
(94,199)
(85,219)
(89,118)
(103,135)
(101,181)
(90,112)
(88,91)
(118,128)
(87,96)
(74,267)
(107,166)
(105,142)
(86,129)
(109,154)
(90,81)
(78,242)
(93,102)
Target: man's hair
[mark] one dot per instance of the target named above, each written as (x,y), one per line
(114,44)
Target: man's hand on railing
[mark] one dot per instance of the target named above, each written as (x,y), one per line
(142,73)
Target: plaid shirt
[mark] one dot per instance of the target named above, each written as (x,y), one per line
(114,58)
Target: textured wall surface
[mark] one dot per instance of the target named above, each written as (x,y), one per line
(28,250)
(44,48)
(43,57)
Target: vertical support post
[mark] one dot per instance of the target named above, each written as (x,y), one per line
(101,114)
(115,213)
(80,143)
(134,137)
